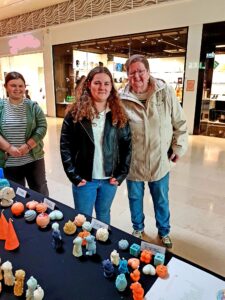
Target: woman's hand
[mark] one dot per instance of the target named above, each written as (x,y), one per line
(174,157)
(24,149)
(113,181)
(14,151)
(83,182)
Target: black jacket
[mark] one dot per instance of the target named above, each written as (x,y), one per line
(77,149)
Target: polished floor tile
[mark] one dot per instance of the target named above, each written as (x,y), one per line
(197,199)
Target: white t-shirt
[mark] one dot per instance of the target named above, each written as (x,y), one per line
(98,125)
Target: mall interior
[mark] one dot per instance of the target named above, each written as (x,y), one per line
(53,43)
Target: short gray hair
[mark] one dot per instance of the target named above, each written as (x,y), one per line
(137,58)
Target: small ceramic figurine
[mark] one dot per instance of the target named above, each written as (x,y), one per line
(123,244)
(19,282)
(57,238)
(87,226)
(32,285)
(149,270)
(123,266)
(137,290)
(38,293)
(135,275)
(79,220)
(134,263)
(162,271)
(30,215)
(108,268)
(41,207)
(3,182)
(77,248)
(6,196)
(17,208)
(115,258)
(31,204)
(43,220)
(8,275)
(146,256)
(83,234)
(91,245)
(56,215)
(102,234)
(121,282)
(69,228)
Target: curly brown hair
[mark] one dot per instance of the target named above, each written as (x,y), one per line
(85,108)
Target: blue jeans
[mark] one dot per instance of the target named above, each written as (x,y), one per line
(98,194)
(159,192)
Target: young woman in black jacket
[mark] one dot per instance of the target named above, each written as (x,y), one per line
(95,145)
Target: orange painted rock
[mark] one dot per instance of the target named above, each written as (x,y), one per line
(17,208)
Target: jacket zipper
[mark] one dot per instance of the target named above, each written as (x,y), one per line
(87,133)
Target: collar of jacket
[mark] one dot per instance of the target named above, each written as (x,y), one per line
(128,95)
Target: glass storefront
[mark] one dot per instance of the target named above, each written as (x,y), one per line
(166,51)
(210,104)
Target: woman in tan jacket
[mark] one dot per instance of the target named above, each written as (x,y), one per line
(159,139)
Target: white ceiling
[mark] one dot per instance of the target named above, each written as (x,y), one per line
(12,8)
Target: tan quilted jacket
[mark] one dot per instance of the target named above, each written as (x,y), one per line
(155,127)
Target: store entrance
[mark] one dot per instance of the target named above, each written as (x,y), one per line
(165,50)
(211,87)
(31,66)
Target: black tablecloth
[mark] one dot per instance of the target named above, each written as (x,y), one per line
(60,274)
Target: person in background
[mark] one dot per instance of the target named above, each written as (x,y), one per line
(159,139)
(95,145)
(22,129)
(79,87)
(27,96)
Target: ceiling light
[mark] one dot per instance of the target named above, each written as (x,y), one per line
(220,46)
(160,39)
(144,40)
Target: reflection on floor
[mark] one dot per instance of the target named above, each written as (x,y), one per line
(197,199)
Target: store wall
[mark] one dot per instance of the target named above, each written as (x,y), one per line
(31,67)
(192,13)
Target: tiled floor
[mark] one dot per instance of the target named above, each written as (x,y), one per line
(197,199)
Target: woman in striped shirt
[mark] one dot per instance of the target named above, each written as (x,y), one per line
(22,129)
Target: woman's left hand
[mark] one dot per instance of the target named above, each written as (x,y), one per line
(174,157)
(113,181)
